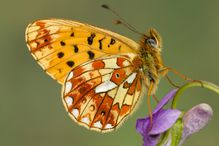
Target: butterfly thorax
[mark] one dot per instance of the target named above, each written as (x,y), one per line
(150,51)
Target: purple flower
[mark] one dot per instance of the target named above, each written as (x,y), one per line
(195,119)
(167,127)
(163,119)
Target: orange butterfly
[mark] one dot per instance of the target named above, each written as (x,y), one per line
(101,71)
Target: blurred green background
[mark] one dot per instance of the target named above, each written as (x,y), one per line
(31,110)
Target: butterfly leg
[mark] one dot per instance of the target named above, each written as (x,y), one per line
(150,89)
(155,98)
(171,82)
(165,70)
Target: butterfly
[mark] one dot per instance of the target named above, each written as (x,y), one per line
(101,72)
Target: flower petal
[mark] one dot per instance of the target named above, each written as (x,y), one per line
(165,100)
(142,126)
(151,140)
(163,120)
(195,119)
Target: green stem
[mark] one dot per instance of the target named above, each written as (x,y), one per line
(203,84)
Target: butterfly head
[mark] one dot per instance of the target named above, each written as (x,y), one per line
(151,41)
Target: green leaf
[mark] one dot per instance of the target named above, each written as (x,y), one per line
(176,132)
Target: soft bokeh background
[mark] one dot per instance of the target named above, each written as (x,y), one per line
(31,111)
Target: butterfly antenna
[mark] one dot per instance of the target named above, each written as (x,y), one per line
(121,20)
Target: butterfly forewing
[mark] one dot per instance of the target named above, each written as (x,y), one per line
(61,45)
(99,94)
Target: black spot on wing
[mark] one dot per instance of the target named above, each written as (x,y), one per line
(76,48)
(91,54)
(62,43)
(112,42)
(91,38)
(70,63)
(72,34)
(60,54)
(100,43)
(119,47)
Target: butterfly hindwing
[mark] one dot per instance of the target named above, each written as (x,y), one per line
(61,45)
(99,94)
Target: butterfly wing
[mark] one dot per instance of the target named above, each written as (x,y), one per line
(101,93)
(61,45)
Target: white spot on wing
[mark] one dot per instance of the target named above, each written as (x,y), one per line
(126,63)
(85,120)
(32,35)
(69,100)
(98,124)
(108,126)
(32,29)
(33,45)
(68,86)
(105,86)
(75,112)
(70,75)
(111,63)
(131,78)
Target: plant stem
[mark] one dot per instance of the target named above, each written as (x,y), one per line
(203,84)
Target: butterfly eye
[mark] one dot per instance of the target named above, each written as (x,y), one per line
(152,42)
